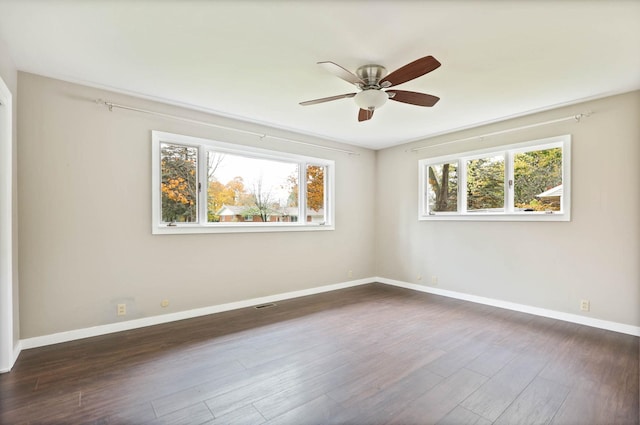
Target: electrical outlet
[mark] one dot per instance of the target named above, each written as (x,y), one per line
(585,305)
(122,309)
(434,280)
(164,303)
(350,273)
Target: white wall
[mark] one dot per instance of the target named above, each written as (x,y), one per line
(9,76)
(85,218)
(85,210)
(550,265)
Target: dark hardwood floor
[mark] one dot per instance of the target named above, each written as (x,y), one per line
(372,354)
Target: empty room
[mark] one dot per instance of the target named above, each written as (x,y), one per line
(319,212)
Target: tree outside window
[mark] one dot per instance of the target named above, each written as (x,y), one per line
(179,183)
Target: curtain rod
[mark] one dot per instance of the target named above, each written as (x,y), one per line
(495,133)
(262,136)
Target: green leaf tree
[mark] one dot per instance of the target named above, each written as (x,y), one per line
(485,183)
(443,180)
(536,172)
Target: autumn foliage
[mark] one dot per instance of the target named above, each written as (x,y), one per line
(178,186)
(315,188)
(179,189)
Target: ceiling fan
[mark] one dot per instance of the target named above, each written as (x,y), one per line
(372,79)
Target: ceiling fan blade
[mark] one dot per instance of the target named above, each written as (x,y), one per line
(327,99)
(364,114)
(341,72)
(413,98)
(410,71)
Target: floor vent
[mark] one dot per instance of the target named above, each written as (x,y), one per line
(265,305)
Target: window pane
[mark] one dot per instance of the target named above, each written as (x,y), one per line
(538,180)
(442,192)
(179,183)
(315,193)
(485,184)
(250,190)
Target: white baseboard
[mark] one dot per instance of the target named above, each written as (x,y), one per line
(16,352)
(553,314)
(59,337)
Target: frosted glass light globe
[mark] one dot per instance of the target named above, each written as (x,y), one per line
(371,99)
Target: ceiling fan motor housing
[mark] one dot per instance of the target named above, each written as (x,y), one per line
(371,97)
(371,75)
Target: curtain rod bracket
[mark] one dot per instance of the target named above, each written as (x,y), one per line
(107,104)
(587,114)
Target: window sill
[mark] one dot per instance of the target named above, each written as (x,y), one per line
(541,216)
(234,228)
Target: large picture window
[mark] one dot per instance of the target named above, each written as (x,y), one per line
(526,181)
(202,186)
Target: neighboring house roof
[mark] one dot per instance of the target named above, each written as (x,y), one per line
(290,211)
(231,210)
(554,191)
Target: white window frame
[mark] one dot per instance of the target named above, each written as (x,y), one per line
(509,214)
(202,226)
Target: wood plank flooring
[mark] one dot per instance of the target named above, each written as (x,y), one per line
(372,354)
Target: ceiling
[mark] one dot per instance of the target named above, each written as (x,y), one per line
(256,60)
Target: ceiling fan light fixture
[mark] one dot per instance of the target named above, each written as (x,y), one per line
(371,99)
(372,81)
